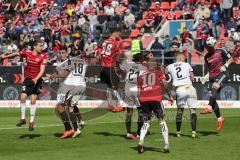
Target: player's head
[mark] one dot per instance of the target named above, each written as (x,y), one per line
(38,46)
(151,64)
(138,58)
(63,53)
(180,58)
(210,43)
(115,33)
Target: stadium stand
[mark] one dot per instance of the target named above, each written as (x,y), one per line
(25,21)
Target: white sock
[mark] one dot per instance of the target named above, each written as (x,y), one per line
(164,129)
(23,110)
(143,132)
(32,112)
(220,118)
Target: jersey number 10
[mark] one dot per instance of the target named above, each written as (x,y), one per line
(149,79)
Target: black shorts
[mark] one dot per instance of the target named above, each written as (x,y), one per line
(108,76)
(30,88)
(152,107)
(221,79)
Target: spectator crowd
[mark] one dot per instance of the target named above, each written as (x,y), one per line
(81,25)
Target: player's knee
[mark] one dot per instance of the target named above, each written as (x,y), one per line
(129,111)
(179,115)
(212,100)
(193,111)
(75,109)
(23,98)
(60,108)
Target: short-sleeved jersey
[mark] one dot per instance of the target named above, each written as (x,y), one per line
(77,68)
(216,60)
(109,52)
(133,71)
(150,86)
(34,63)
(180,73)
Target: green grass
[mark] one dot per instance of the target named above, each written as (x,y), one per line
(103,138)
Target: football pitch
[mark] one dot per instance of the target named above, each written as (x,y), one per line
(103,138)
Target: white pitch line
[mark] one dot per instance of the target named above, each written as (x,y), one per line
(93,123)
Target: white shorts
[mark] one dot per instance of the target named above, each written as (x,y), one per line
(131,96)
(186,96)
(75,91)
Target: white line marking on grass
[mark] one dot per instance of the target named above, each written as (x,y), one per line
(91,123)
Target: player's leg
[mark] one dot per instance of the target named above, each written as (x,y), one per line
(64,115)
(193,116)
(192,104)
(128,123)
(146,112)
(73,116)
(179,121)
(32,111)
(159,113)
(62,111)
(114,82)
(181,97)
(23,107)
(27,89)
(140,121)
(213,103)
(80,121)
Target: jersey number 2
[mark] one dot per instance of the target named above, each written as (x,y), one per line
(179,69)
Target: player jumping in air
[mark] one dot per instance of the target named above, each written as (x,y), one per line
(151,86)
(182,77)
(109,53)
(72,86)
(33,72)
(218,61)
(133,68)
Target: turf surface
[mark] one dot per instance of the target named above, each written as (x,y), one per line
(103,138)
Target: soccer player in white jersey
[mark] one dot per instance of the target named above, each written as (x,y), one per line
(182,77)
(72,86)
(133,68)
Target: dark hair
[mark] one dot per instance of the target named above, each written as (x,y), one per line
(36,42)
(139,57)
(63,48)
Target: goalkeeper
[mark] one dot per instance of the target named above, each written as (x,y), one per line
(218,61)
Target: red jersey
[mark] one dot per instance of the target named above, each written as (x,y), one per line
(150,86)
(65,30)
(110,50)
(34,63)
(216,60)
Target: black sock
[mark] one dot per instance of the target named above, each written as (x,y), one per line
(128,122)
(77,113)
(194,121)
(216,110)
(179,119)
(73,119)
(215,107)
(65,120)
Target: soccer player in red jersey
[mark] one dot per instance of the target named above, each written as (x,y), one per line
(109,53)
(34,70)
(217,61)
(151,86)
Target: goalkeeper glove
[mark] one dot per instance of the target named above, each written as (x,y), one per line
(224,67)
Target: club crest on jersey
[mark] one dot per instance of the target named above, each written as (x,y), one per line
(37,60)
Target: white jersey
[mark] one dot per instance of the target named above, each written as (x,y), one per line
(134,70)
(77,68)
(180,73)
